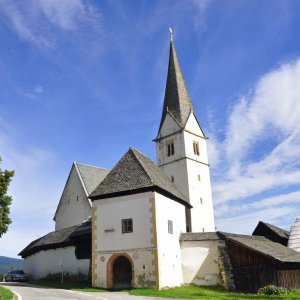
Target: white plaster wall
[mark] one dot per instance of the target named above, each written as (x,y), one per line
(110,213)
(161,149)
(74,207)
(202,213)
(42,263)
(137,244)
(185,167)
(200,262)
(193,126)
(169,253)
(169,125)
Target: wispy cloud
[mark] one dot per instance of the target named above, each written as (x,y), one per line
(34,21)
(264,121)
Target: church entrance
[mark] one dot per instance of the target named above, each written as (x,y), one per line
(120,272)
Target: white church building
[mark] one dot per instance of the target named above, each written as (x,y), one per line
(146,224)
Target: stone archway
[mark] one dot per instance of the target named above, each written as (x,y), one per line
(119,271)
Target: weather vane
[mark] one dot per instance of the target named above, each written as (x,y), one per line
(171,34)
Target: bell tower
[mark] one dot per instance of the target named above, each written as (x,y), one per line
(181,149)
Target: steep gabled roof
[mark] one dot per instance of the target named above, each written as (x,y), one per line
(177,100)
(136,173)
(91,176)
(272,232)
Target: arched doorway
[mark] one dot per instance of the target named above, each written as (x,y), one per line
(119,271)
(122,273)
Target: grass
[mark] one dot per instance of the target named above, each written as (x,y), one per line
(205,292)
(5,294)
(184,292)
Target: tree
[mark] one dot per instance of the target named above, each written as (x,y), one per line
(5,200)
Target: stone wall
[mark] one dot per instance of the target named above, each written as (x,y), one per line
(225,269)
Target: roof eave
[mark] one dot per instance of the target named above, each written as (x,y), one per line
(142,190)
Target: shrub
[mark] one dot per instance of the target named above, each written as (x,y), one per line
(1,278)
(273,290)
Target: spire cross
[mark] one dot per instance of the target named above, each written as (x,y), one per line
(171,34)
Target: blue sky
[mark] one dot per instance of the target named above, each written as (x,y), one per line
(84,81)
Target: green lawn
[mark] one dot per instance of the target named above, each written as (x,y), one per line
(184,292)
(201,292)
(5,294)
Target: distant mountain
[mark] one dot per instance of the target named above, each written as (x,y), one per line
(8,263)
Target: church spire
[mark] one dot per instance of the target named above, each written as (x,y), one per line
(177,100)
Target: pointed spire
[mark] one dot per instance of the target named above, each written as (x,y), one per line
(177,100)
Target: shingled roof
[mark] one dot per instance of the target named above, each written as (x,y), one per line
(177,100)
(52,240)
(58,239)
(91,176)
(272,232)
(266,247)
(136,173)
(199,236)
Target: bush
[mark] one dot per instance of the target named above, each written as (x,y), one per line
(273,290)
(1,278)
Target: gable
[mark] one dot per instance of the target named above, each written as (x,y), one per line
(169,126)
(193,126)
(74,206)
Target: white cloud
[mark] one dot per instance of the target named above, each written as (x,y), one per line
(64,14)
(261,150)
(34,21)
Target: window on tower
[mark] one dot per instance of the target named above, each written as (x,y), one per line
(170,148)
(170,226)
(196,148)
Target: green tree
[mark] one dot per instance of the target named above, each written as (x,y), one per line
(5,200)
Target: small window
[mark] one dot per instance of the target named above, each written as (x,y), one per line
(170,226)
(127,226)
(199,177)
(203,230)
(172,178)
(201,200)
(170,148)
(196,148)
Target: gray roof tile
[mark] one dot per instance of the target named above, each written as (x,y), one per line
(50,240)
(266,247)
(91,176)
(274,229)
(199,236)
(177,100)
(135,172)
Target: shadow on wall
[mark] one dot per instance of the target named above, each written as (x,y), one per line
(208,273)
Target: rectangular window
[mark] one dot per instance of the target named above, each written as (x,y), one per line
(170,226)
(201,200)
(127,226)
(196,148)
(170,148)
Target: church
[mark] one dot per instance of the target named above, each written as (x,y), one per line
(147,224)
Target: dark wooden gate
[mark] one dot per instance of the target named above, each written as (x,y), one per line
(122,273)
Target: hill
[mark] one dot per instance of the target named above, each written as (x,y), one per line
(8,263)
